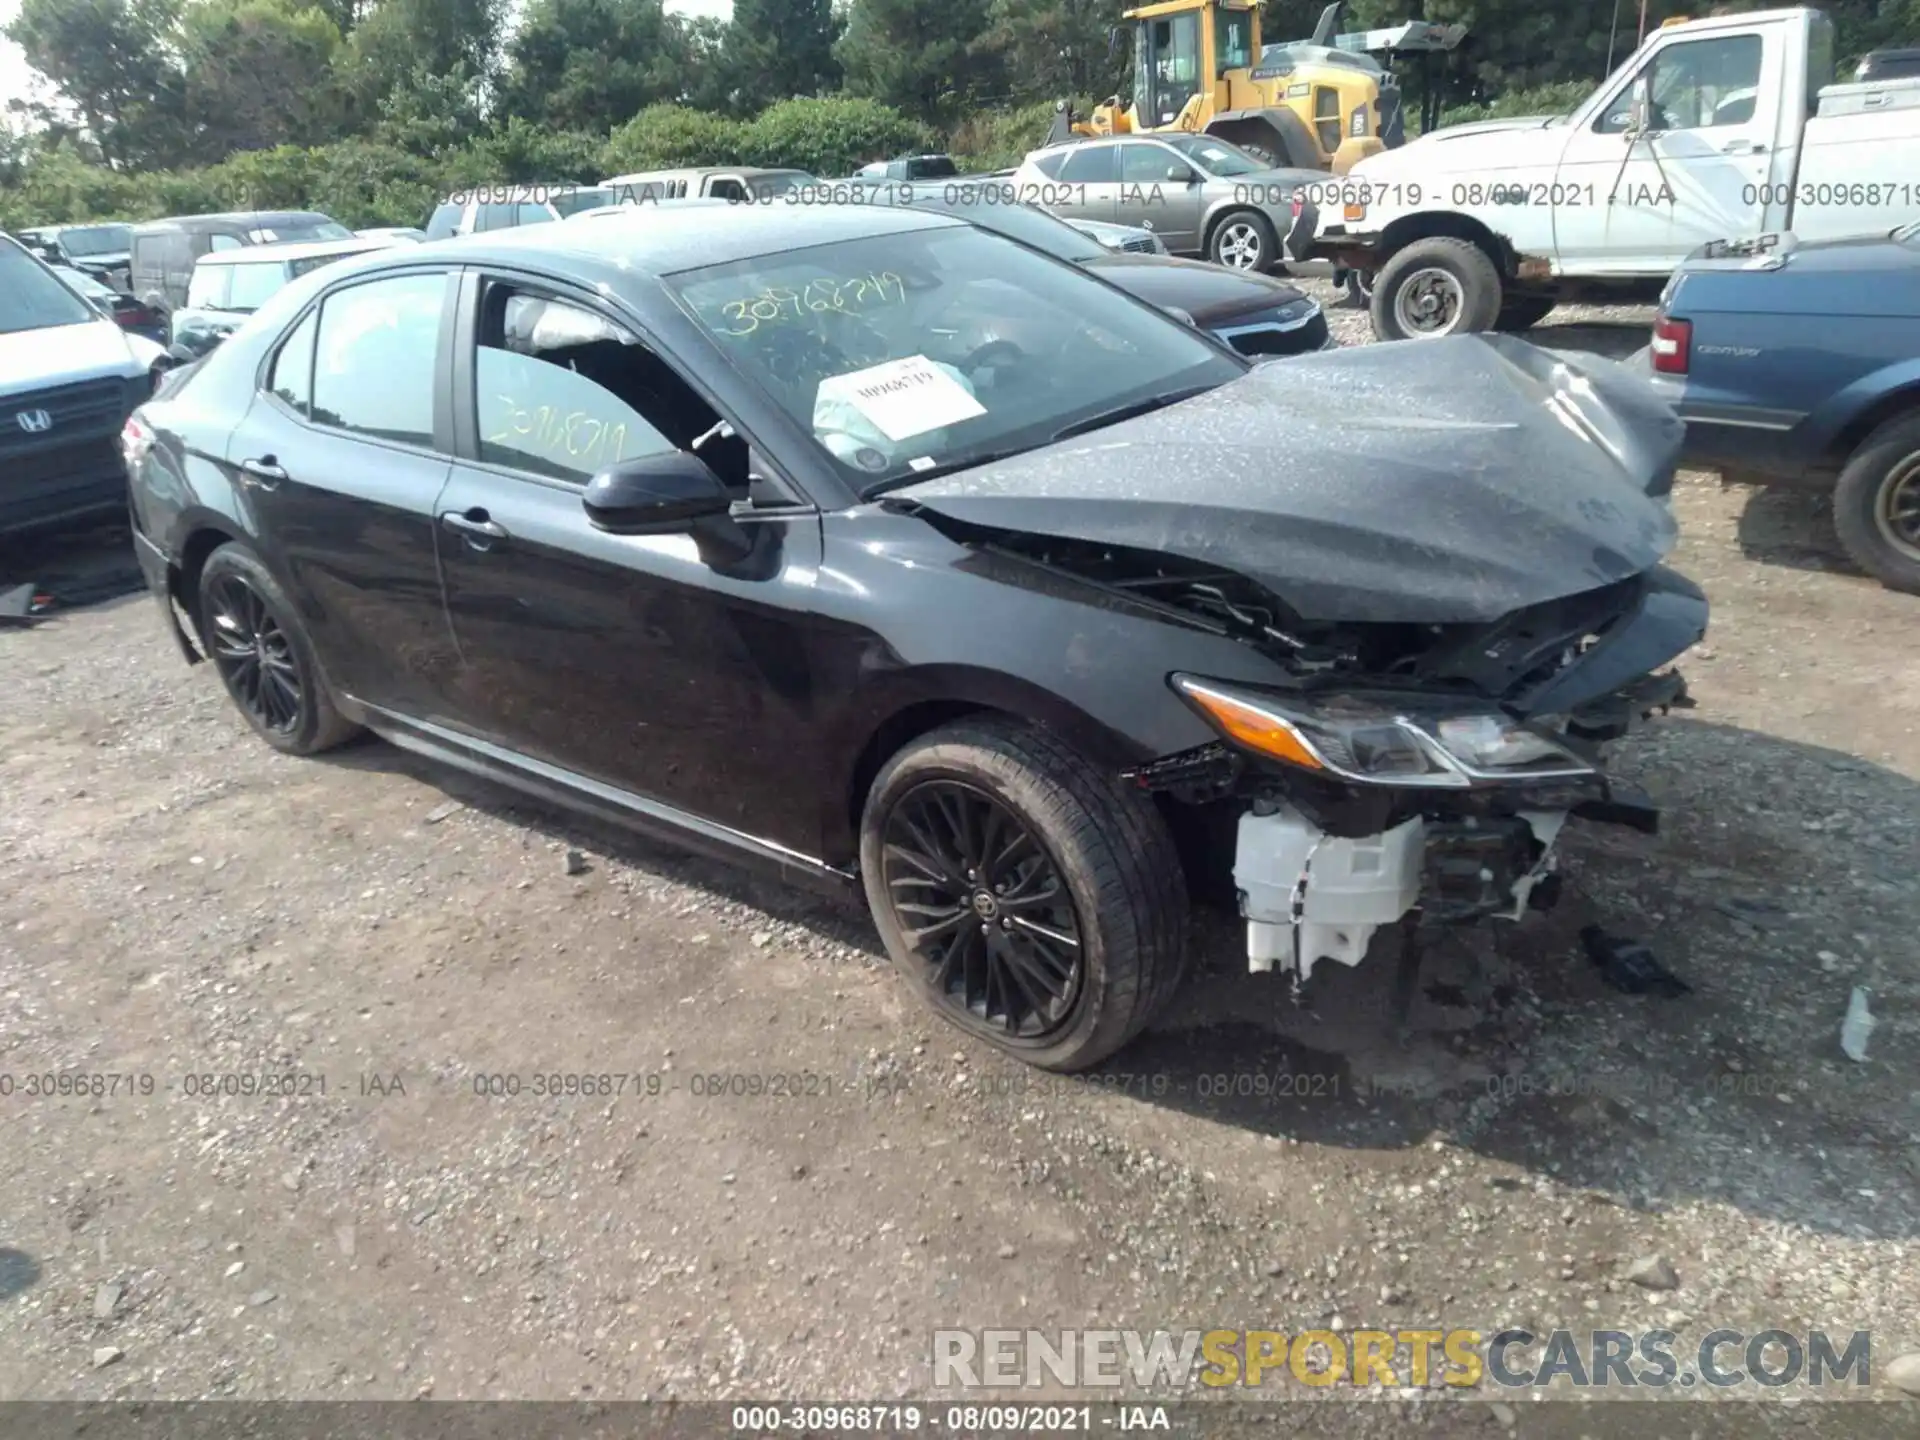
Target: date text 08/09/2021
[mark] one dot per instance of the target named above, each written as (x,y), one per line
(957,1419)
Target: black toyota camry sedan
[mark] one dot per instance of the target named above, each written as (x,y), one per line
(907,560)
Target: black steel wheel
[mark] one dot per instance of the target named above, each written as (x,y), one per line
(1027,896)
(252,634)
(985,907)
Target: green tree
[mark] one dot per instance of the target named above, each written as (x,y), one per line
(925,58)
(111,60)
(776,49)
(259,73)
(1050,49)
(398,40)
(592,64)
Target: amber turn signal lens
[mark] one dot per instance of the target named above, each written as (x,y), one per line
(1254,728)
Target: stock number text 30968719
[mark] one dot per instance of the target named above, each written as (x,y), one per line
(779,304)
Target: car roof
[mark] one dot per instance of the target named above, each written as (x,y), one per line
(294,250)
(700,235)
(253,219)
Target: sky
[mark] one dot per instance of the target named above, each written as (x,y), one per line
(16,78)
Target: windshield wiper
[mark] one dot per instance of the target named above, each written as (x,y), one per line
(1128,412)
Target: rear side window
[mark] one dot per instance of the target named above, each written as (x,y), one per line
(725,187)
(534,214)
(931,167)
(444,221)
(1095,165)
(373,367)
(224,242)
(1049,165)
(208,287)
(495,217)
(291,378)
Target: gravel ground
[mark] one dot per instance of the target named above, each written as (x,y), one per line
(184,902)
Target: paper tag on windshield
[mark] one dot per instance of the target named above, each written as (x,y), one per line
(903,398)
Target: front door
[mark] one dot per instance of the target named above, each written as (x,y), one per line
(1167,69)
(635,661)
(342,457)
(1153,200)
(1699,172)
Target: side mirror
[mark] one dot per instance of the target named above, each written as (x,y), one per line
(1182,175)
(655,495)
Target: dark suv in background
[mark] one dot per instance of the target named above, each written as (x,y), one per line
(164,250)
(97,250)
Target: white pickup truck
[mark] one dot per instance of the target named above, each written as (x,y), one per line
(1713,130)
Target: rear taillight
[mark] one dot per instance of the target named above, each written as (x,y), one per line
(1672,345)
(1298,205)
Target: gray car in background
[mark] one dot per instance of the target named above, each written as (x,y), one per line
(1201,196)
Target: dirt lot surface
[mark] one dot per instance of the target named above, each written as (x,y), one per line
(184,904)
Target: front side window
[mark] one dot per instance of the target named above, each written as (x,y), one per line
(207,290)
(561,391)
(1233,39)
(253,285)
(445,221)
(1142,164)
(725,187)
(223,242)
(909,352)
(374,362)
(32,297)
(530,214)
(1696,85)
(291,378)
(494,217)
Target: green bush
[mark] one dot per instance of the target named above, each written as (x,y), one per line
(1000,139)
(1515,104)
(832,136)
(666,137)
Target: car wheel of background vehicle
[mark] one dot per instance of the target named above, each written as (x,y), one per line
(1029,898)
(264,658)
(1523,312)
(1440,286)
(1243,240)
(1876,505)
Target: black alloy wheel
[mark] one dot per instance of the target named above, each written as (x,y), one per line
(986,909)
(254,656)
(253,635)
(1024,893)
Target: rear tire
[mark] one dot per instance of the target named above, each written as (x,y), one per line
(1523,312)
(262,653)
(1056,848)
(1876,505)
(1436,287)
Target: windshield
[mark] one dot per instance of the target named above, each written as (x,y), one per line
(1216,157)
(939,348)
(1026,223)
(32,297)
(97,239)
(302,231)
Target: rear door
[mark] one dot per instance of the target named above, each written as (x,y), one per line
(341,459)
(1089,184)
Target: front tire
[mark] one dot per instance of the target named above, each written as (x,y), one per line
(1244,240)
(1026,896)
(1436,287)
(1876,505)
(253,635)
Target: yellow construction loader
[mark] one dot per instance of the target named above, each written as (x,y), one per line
(1319,104)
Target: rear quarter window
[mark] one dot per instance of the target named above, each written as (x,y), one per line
(1049,165)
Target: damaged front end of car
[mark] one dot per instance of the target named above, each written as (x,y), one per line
(1433,786)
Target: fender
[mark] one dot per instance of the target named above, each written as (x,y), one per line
(1824,426)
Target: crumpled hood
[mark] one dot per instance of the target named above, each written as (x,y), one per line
(60,354)
(1435,481)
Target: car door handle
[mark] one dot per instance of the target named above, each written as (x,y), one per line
(263,472)
(1743,147)
(480,532)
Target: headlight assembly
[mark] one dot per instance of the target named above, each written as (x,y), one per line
(1368,741)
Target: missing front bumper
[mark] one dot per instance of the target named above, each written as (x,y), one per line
(1309,896)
